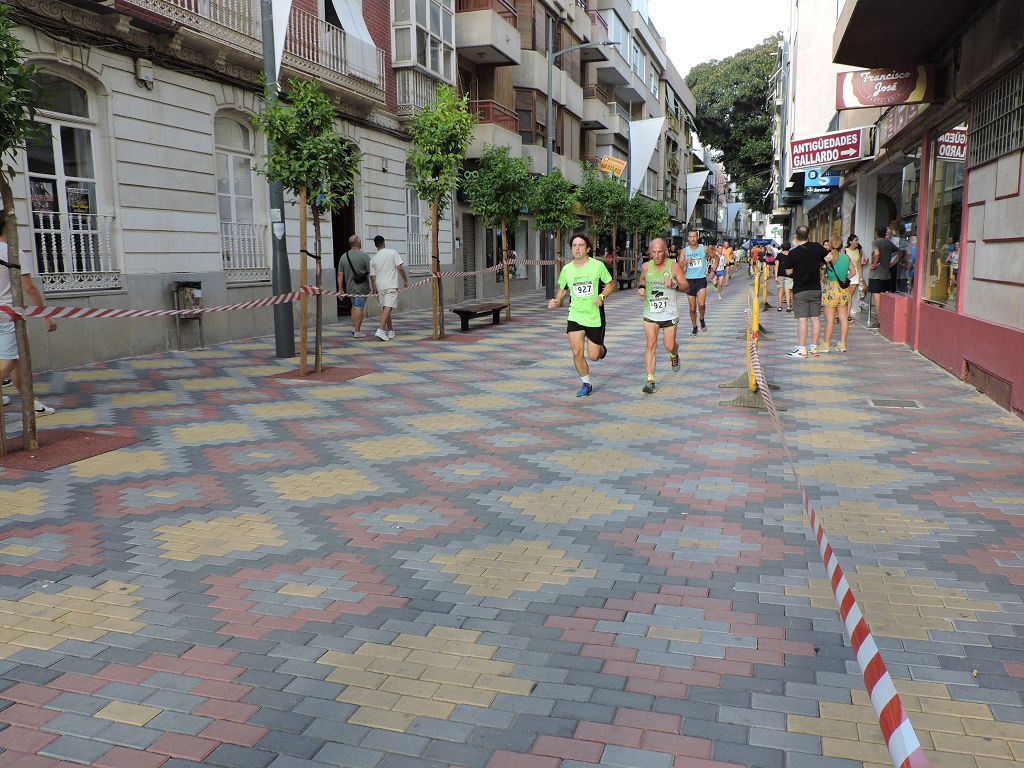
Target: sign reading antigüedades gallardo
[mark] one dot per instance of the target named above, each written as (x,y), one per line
(828,149)
(884,87)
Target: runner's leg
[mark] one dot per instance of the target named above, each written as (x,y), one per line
(650,353)
(577,339)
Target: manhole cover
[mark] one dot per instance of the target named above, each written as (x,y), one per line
(895,403)
(524,363)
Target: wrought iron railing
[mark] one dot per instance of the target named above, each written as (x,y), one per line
(243,251)
(74,251)
(415,91)
(419,253)
(595,91)
(492,112)
(504,8)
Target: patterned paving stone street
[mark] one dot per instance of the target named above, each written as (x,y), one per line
(450,560)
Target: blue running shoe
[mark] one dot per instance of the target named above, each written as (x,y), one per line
(585,389)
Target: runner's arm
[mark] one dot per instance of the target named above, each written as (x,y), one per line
(559,298)
(682,284)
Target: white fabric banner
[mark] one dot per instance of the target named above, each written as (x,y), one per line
(694,184)
(282,11)
(643,138)
(361,55)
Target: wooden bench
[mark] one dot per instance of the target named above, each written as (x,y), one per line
(469,311)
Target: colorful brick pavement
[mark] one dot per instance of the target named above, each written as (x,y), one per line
(449,560)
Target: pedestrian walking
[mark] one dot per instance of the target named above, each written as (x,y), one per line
(354,278)
(386,267)
(803,264)
(835,296)
(8,340)
(588,283)
(882,251)
(660,280)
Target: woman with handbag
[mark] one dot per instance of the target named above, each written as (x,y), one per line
(856,254)
(835,297)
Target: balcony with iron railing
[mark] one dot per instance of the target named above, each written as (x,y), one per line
(231,29)
(415,90)
(595,91)
(243,250)
(74,252)
(492,112)
(504,8)
(418,255)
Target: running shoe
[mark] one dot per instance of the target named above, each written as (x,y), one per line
(7,400)
(585,390)
(358,335)
(778,308)
(391,334)
(798,352)
(43,410)
(7,382)
(674,359)
(694,331)
(649,388)
(842,347)
(824,350)
(789,309)
(381,334)
(703,327)
(813,350)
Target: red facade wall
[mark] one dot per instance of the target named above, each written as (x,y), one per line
(377,14)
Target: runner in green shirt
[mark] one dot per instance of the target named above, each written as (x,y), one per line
(660,280)
(588,283)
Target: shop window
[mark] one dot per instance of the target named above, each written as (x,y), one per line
(943,248)
(71,238)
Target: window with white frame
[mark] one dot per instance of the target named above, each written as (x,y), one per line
(424,35)
(242,240)
(654,83)
(71,238)
(637,61)
(617,31)
(417,239)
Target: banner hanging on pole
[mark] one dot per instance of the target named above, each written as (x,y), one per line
(643,138)
(282,12)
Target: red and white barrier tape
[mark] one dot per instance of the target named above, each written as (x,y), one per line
(904,747)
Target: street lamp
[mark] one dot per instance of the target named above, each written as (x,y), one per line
(549,269)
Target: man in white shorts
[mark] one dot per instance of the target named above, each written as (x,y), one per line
(386,267)
(8,340)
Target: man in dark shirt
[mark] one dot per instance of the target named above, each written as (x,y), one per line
(803,263)
(354,278)
(879,274)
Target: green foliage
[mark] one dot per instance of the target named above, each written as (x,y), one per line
(501,188)
(553,203)
(733,117)
(645,216)
(441,133)
(17,94)
(306,152)
(603,197)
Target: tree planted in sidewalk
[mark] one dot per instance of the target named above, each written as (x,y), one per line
(314,163)
(605,198)
(553,204)
(441,133)
(18,103)
(499,193)
(733,117)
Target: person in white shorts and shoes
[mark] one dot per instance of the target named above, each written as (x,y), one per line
(8,340)
(386,266)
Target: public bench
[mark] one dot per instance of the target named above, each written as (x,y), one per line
(469,311)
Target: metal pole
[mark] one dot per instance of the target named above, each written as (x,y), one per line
(280,273)
(549,269)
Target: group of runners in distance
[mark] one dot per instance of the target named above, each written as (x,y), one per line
(588,283)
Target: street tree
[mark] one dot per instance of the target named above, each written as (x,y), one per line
(314,163)
(499,193)
(441,133)
(733,117)
(605,199)
(553,205)
(18,101)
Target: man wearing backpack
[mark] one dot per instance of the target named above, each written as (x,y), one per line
(354,278)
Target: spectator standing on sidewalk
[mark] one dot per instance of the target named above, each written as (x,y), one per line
(784,281)
(354,278)
(804,264)
(855,253)
(835,297)
(8,341)
(879,273)
(386,267)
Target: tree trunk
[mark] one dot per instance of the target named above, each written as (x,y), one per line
(435,268)
(615,251)
(30,440)
(318,343)
(504,269)
(303,279)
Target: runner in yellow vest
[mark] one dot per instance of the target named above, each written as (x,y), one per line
(660,280)
(588,283)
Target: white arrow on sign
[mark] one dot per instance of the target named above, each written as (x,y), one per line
(847,152)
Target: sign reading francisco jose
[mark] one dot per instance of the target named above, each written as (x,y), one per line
(884,87)
(827,149)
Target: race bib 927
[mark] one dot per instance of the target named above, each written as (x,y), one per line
(582,290)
